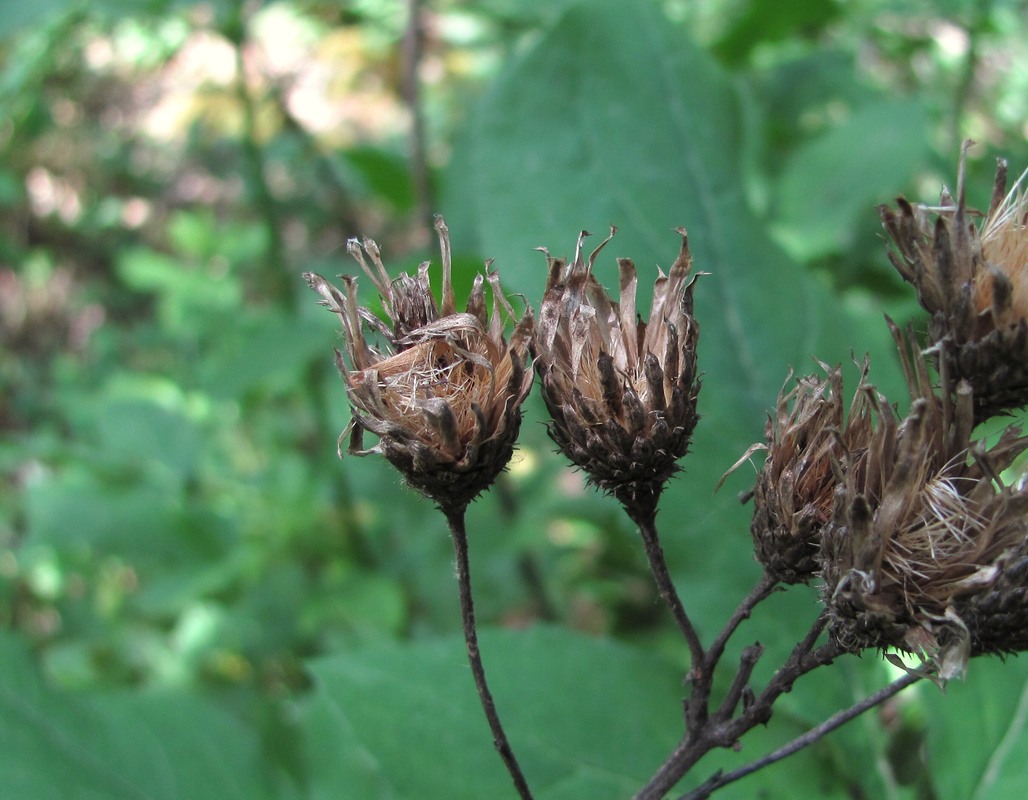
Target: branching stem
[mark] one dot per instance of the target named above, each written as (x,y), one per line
(765,586)
(706,731)
(719,779)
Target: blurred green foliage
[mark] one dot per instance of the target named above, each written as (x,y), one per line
(201,600)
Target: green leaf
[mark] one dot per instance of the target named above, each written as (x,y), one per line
(634,124)
(845,172)
(199,236)
(115,746)
(141,432)
(267,351)
(379,173)
(978,732)
(187,294)
(771,21)
(178,549)
(586,717)
(17,17)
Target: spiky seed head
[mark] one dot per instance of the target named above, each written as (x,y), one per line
(809,440)
(924,532)
(973,280)
(621,392)
(440,388)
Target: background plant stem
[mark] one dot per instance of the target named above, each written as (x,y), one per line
(278,281)
(722,729)
(420,175)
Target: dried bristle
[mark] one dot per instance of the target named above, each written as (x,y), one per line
(1004,242)
(439,368)
(937,556)
(442,389)
(615,328)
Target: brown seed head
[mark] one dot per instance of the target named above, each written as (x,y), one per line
(621,392)
(923,532)
(973,280)
(443,392)
(810,439)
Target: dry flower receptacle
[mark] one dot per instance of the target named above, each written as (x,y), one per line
(927,547)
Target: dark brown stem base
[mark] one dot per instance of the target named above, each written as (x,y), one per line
(455,518)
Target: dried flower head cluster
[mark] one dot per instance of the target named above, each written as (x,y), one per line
(444,391)
(621,392)
(973,280)
(923,529)
(919,541)
(809,439)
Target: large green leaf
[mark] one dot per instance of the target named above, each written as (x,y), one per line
(117,746)
(177,548)
(17,17)
(845,172)
(764,21)
(634,125)
(587,717)
(978,732)
(616,116)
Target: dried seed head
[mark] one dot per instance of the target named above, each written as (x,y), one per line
(444,392)
(621,392)
(973,280)
(809,441)
(923,531)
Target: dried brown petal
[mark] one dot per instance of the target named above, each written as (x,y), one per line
(809,440)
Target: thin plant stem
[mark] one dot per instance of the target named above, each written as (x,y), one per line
(458,532)
(977,25)
(277,280)
(686,753)
(697,706)
(645,519)
(720,779)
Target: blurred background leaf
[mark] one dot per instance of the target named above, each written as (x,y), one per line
(408,715)
(183,559)
(118,744)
